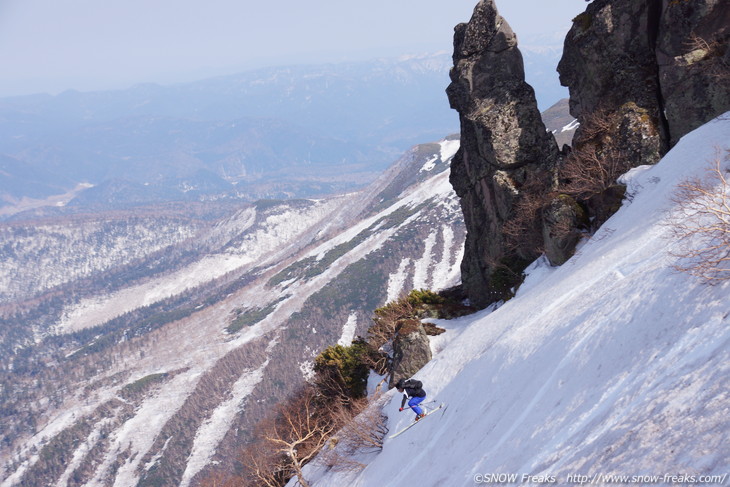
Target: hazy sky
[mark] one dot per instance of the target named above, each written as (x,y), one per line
(53,45)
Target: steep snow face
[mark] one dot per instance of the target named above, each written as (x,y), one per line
(612,365)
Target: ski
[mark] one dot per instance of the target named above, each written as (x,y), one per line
(429,413)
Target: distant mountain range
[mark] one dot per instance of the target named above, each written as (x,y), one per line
(278,132)
(283,132)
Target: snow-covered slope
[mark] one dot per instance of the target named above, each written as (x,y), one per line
(612,365)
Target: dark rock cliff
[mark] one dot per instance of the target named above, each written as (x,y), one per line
(694,62)
(641,74)
(659,67)
(503,141)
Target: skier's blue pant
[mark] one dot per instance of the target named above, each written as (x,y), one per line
(414,402)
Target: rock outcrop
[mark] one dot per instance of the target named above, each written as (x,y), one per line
(640,74)
(660,67)
(503,142)
(694,62)
(609,66)
(411,350)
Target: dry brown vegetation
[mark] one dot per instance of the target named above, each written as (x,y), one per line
(363,432)
(329,417)
(702,223)
(590,171)
(588,174)
(307,424)
(714,51)
(523,231)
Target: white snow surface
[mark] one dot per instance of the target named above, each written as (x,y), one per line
(571,126)
(192,346)
(348,331)
(430,164)
(265,245)
(397,279)
(613,364)
(421,274)
(449,148)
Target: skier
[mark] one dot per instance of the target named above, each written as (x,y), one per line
(412,390)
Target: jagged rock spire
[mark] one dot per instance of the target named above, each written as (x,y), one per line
(503,141)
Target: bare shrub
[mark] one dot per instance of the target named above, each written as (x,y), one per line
(589,171)
(595,165)
(264,466)
(712,51)
(300,430)
(376,360)
(523,231)
(385,321)
(336,461)
(288,439)
(597,124)
(702,224)
(363,431)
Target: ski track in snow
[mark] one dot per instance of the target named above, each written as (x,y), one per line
(613,363)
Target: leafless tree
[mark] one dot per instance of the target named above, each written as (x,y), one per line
(330,382)
(365,432)
(265,466)
(597,124)
(385,321)
(702,223)
(299,431)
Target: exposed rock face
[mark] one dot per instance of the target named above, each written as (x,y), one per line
(694,62)
(503,140)
(641,75)
(656,65)
(560,218)
(609,65)
(411,350)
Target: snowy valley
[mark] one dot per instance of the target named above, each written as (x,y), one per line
(150,372)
